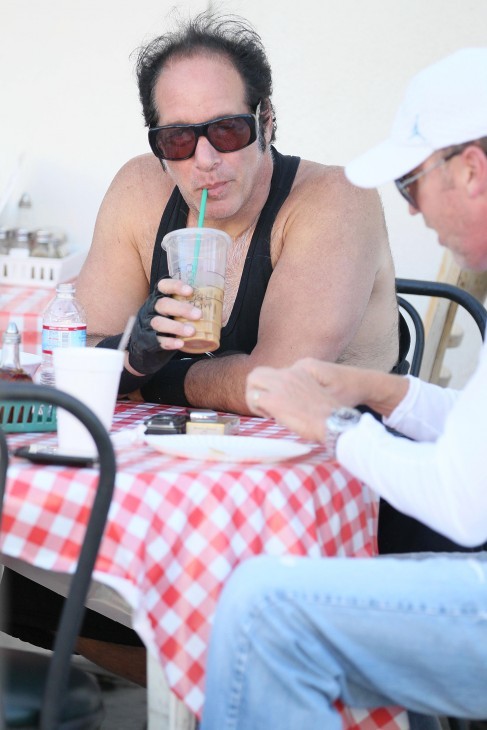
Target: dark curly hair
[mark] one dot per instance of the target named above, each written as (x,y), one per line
(229,36)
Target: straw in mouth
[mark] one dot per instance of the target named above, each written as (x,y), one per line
(201,218)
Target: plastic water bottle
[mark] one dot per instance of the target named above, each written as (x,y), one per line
(63,325)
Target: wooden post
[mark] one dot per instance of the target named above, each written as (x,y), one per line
(441,314)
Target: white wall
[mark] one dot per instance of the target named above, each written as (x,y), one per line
(69,99)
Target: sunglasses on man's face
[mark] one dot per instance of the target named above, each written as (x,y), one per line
(226,134)
(407,184)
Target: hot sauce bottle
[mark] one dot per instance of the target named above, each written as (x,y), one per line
(10,368)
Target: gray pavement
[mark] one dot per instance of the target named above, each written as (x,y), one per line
(125,703)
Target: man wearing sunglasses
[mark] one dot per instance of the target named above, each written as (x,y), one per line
(310,270)
(292,635)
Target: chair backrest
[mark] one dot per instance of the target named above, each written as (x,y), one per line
(73,608)
(435,289)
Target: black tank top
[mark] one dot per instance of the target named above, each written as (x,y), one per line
(240,332)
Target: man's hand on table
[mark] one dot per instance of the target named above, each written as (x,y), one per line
(302,396)
(293,396)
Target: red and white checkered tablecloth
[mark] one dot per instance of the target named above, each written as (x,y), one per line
(25,306)
(177,528)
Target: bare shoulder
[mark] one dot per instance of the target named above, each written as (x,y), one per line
(143,181)
(316,184)
(123,244)
(323,203)
(131,210)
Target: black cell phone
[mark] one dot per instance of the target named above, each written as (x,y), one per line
(165,424)
(39,454)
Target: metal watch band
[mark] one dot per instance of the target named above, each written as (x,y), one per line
(339,421)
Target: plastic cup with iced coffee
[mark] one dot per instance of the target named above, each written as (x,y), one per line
(198,257)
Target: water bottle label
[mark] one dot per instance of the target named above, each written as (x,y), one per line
(52,337)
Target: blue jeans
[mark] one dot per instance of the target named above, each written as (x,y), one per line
(292,635)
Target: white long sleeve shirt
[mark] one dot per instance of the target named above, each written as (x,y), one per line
(441,481)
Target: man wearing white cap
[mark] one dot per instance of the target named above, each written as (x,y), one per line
(293,635)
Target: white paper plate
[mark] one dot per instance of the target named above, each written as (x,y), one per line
(227,448)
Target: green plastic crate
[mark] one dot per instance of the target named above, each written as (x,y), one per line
(26,417)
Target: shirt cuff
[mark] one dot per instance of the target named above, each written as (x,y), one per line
(406,405)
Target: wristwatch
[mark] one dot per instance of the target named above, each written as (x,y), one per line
(340,420)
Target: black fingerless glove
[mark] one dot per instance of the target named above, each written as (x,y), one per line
(145,354)
(128,381)
(167,386)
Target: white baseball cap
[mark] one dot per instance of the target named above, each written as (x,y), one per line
(445,104)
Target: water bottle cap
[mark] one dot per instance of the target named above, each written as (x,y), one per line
(65,288)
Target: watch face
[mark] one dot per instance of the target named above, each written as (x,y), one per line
(339,421)
(345,417)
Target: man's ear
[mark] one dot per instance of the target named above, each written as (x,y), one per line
(268,123)
(475,170)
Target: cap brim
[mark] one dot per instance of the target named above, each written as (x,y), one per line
(385,162)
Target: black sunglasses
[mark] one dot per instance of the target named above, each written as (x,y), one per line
(225,134)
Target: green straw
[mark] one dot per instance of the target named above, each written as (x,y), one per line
(201,218)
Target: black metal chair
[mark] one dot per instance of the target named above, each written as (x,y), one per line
(44,691)
(435,289)
(478,313)
(399,533)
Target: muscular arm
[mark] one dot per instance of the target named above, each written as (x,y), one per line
(114,281)
(329,244)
